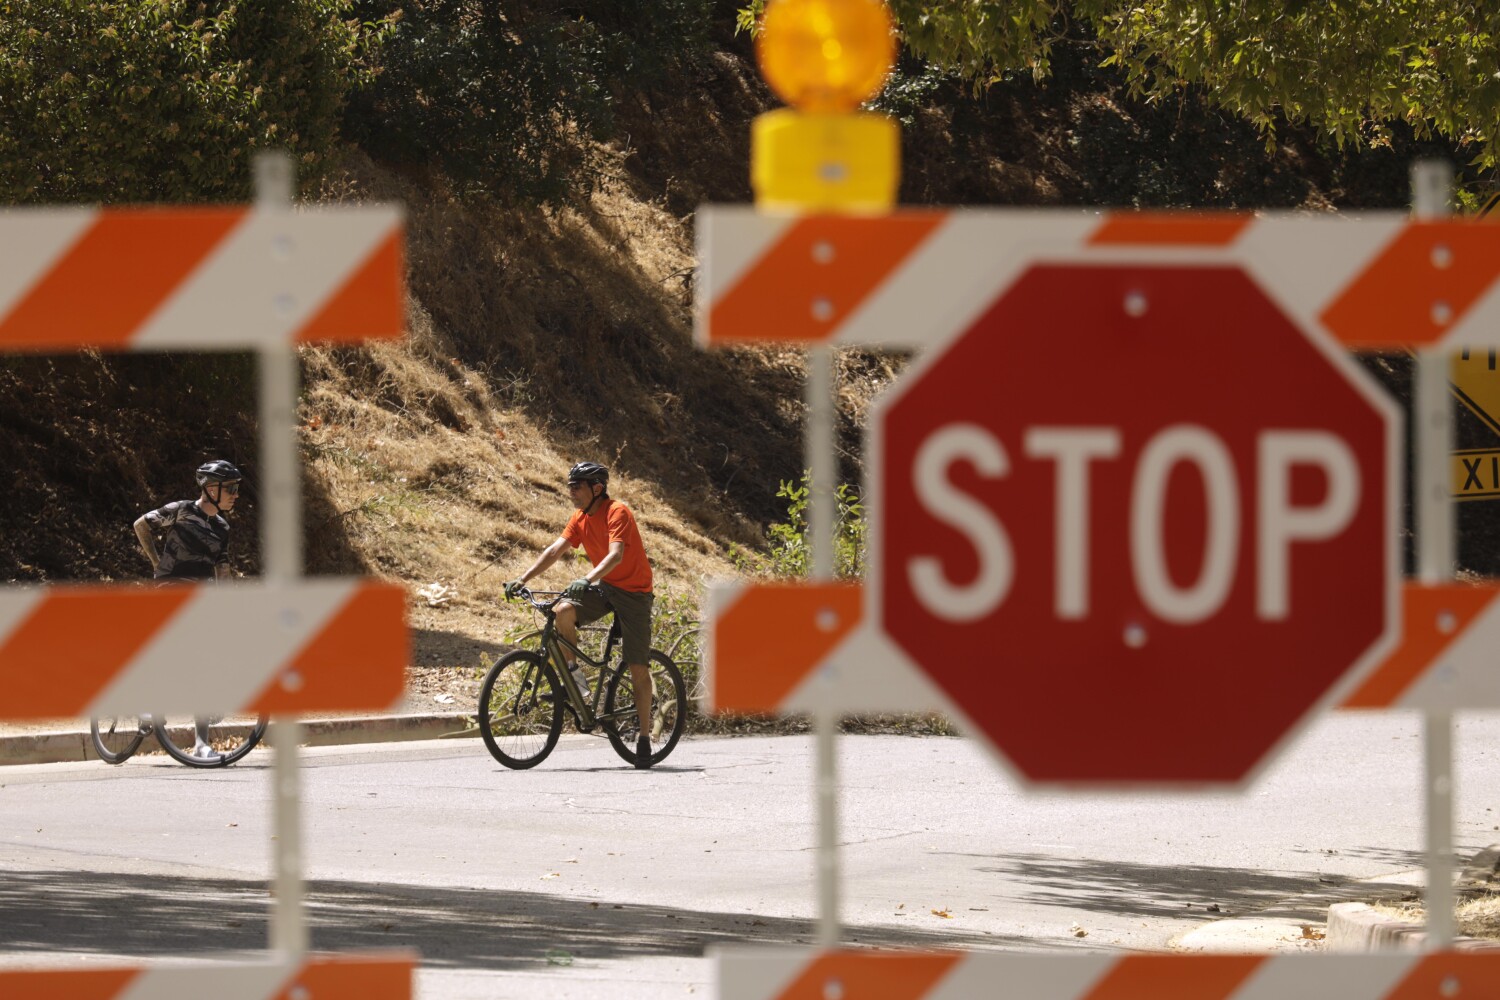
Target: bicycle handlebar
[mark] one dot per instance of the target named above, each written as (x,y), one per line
(530,597)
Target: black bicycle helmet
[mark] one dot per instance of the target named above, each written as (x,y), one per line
(589,472)
(217,471)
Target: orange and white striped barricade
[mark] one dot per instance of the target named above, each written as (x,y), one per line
(212,278)
(772,648)
(317,977)
(311,645)
(1446,658)
(224,278)
(916,279)
(773,974)
(263,278)
(796,647)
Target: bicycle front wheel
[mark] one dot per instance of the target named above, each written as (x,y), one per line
(229,739)
(520,710)
(669,708)
(116,738)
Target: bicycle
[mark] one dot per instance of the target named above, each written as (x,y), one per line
(524,696)
(116,739)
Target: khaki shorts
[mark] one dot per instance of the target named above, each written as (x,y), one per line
(632,610)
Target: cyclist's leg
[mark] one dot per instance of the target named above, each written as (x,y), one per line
(203,740)
(566,621)
(633,612)
(577,612)
(669,710)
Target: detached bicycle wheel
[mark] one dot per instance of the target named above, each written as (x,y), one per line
(520,710)
(116,739)
(669,709)
(229,739)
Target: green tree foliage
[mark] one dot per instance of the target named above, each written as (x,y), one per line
(506,96)
(155,100)
(1349,68)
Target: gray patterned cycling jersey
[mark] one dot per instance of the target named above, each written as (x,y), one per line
(193,543)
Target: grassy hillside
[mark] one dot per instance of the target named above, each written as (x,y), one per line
(541,336)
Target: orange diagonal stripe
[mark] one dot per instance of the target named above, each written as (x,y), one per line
(59,984)
(369,306)
(1473,973)
(118,273)
(1188,977)
(74,642)
(364,977)
(1171,228)
(887,975)
(1425,611)
(1419,286)
(815,276)
(773,636)
(357,661)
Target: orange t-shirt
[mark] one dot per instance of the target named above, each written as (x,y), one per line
(612,521)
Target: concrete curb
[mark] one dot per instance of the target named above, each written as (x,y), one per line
(1359,927)
(59,747)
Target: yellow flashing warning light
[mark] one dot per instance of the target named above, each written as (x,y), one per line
(825,58)
(826,55)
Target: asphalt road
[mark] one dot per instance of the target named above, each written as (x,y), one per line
(585,879)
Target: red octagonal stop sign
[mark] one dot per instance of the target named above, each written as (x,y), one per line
(1135,523)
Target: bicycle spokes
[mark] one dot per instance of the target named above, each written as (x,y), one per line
(520,710)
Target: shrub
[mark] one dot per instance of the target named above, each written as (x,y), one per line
(789,551)
(156,100)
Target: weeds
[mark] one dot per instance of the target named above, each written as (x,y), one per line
(790,548)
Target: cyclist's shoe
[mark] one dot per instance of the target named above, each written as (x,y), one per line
(643,752)
(205,752)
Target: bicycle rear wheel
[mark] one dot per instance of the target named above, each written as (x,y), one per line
(117,738)
(669,709)
(520,710)
(230,739)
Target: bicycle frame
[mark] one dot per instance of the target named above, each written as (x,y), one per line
(585,710)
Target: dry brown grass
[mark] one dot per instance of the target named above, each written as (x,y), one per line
(1476,916)
(408,496)
(538,339)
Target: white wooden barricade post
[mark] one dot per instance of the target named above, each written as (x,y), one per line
(1432,410)
(822,464)
(281,536)
(921,279)
(264,279)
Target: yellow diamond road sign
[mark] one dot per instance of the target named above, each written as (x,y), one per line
(1476,383)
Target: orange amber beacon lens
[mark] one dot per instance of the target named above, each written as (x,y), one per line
(826,55)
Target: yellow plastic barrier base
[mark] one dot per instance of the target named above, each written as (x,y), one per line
(846,163)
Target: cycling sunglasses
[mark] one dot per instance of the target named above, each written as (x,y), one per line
(233,489)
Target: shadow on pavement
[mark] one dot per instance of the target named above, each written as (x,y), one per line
(1188,890)
(147,916)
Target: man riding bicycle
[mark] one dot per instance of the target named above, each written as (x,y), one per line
(194,545)
(195,535)
(620,581)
